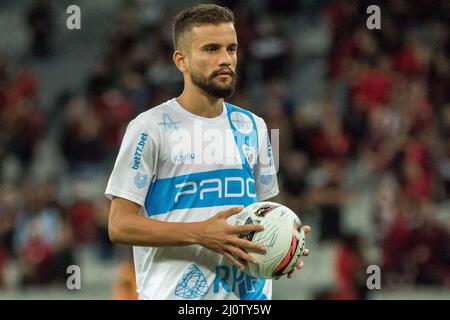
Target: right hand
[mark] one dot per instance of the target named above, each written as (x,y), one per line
(218,235)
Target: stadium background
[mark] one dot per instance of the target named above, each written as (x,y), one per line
(364,143)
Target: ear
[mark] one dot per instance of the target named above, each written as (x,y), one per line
(180,60)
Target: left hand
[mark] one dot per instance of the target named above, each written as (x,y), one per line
(305,253)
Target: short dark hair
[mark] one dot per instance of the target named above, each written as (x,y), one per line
(197,16)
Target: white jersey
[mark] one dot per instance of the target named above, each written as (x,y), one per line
(181,167)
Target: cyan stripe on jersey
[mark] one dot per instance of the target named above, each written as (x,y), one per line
(201,190)
(250,139)
(210,188)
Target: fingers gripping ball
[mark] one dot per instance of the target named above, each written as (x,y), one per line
(283,238)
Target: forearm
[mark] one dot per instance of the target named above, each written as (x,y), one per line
(132,229)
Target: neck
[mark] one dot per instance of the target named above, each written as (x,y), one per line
(196,101)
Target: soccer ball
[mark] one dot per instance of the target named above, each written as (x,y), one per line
(283,238)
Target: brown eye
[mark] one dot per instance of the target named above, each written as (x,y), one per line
(211,49)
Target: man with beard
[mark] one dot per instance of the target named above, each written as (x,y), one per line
(187,167)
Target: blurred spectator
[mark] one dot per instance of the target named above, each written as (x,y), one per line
(276,111)
(284,7)
(8,213)
(329,195)
(385,205)
(270,49)
(27,126)
(21,119)
(115,111)
(42,238)
(137,90)
(331,142)
(351,267)
(3,262)
(101,79)
(416,248)
(293,170)
(444,157)
(82,218)
(82,141)
(40,20)
(350,274)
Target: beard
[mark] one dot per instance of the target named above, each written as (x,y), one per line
(212,88)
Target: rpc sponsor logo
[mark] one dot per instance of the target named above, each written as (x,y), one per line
(231,279)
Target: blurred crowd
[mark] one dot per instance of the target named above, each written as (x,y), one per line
(392,118)
(385,106)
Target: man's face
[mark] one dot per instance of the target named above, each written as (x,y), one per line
(213,59)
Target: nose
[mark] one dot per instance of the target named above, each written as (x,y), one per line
(225,58)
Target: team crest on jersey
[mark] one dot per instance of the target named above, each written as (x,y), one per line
(250,154)
(266,179)
(192,284)
(140,180)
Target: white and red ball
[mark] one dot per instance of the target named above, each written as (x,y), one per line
(283,237)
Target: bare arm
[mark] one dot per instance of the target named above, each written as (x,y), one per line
(125,226)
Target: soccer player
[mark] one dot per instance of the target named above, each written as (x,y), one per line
(187,167)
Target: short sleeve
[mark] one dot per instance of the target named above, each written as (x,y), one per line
(265,174)
(135,166)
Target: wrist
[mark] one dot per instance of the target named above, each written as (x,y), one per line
(194,232)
